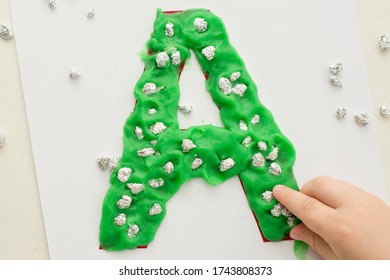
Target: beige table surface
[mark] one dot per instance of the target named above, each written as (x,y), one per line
(22,233)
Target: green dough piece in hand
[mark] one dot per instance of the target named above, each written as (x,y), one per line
(300,249)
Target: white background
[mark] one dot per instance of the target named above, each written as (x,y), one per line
(287,47)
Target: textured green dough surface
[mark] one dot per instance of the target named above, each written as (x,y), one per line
(213,144)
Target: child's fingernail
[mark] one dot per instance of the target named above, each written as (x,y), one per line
(295,236)
(277,188)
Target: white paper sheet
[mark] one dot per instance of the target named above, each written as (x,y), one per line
(287,46)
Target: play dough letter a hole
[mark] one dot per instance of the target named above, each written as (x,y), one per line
(158,157)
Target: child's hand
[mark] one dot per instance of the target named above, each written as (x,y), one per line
(340,220)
